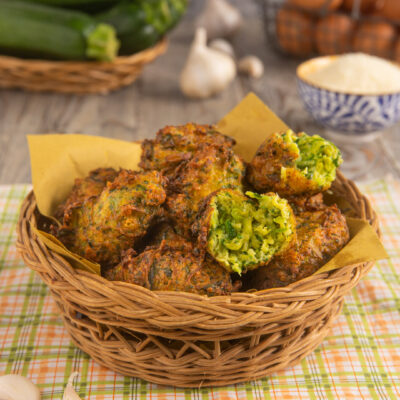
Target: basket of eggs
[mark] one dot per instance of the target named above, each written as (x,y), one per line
(303,28)
(198,268)
(81,46)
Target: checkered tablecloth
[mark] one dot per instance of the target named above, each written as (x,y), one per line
(360,359)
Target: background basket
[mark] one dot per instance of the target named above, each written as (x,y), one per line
(188,340)
(332,28)
(75,76)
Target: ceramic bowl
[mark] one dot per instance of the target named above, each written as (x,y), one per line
(346,112)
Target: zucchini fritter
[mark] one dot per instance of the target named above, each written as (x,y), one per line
(320,235)
(160,232)
(291,164)
(241,232)
(84,188)
(211,168)
(101,227)
(301,204)
(174,144)
(173,266)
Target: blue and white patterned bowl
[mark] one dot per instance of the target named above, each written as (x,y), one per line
(344,112)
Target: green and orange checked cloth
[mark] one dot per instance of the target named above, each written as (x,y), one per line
(360,359)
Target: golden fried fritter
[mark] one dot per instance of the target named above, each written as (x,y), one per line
(301,204)
(85,188)
(291,164)
(101,227)
(174,144)
(172,266)
(160,232)
(211,168)
(320,235)
(243,232)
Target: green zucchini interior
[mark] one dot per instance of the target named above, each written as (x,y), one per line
(318,158)
(245,232)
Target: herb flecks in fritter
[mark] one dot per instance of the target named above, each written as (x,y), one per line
(103,226)
(243,232)
(173,266)
(291,164)
(211,168)
(85,188)
(320,235)
(175,144)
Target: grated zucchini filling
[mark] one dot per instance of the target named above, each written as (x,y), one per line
(317,158)
(247,231)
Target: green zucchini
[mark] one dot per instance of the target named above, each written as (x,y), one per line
(142,23)
(32,30)
(76,4)
(83,5)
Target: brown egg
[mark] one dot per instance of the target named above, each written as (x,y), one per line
(295,31)
(315,5)
(397,51)
(366,6)
(375,38)
(390,9)
(334,33)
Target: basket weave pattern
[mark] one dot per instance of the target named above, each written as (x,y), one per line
(78,77)
(188,340)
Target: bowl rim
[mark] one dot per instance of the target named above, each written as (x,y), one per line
(300,76)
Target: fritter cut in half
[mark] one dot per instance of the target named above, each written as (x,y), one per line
(291,164)
(174,144)
(320,235)
(243,232)
(173,266)
(211,168)
(85,188)
(102,227)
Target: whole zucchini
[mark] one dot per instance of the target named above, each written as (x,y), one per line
(83,5)
(32,30)
(141,23)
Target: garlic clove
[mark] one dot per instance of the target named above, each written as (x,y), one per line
(207,71)
(220,19)
(222,46)
(17,387)
(69,392)
(252,66)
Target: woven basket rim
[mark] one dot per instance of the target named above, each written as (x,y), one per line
(44,63)
(298,287)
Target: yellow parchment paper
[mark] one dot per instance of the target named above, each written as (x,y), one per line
(56,160)
(250,123)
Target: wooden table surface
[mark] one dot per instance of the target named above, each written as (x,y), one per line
(138,111)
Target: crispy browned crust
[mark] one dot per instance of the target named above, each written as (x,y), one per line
(320,235)
(173,266)
(264,171)
(175,144)
(210,168)
(301,204)
(102,227)
(85,188)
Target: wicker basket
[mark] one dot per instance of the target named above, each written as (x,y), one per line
(188,340)
(78,77)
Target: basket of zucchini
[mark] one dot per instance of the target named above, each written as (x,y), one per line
(81,46)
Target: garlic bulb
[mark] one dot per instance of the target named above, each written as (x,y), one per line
(223,46)
(207,71)
(69,392)
(17,387)
(252,66)
(220,19)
